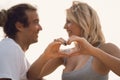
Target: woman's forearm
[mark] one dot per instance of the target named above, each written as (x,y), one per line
(112,62)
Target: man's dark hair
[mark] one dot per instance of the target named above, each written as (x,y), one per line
(15,14)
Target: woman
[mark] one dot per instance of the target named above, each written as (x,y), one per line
(91,58)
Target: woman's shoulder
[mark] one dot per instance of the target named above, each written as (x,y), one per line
(110,48)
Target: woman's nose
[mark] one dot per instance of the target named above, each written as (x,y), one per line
(65,26)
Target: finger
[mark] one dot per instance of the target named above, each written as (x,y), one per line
(56,45)
(63,55)
(71,39)
(70,55)
(61,40)
(74,39)
(53,46)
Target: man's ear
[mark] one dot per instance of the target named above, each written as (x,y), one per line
(19,26)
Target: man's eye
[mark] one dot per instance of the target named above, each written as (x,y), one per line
(36,22)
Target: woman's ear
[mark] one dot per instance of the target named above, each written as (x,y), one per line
(19,26)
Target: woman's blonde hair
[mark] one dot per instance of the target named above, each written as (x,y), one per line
(88,20)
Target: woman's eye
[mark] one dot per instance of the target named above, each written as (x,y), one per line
(69,23)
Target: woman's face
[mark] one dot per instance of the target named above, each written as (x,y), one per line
(72,28)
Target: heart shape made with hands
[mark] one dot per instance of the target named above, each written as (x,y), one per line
(66,46)
(64,43)
(69,49)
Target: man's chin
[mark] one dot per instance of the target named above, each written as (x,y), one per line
(35,41)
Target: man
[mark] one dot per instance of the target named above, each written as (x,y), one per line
(21,26)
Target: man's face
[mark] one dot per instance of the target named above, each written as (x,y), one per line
(33,28)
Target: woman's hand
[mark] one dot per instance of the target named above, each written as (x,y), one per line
(83,46)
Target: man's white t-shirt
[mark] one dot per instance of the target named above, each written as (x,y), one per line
(13,63)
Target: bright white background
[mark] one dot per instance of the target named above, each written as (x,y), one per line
(52,18)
